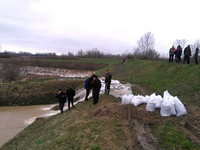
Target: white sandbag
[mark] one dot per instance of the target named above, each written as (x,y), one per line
(137,100)
(125,100)
(159,101)
(166,95)
(150,106)
(165,109)
(115,82)
(146,99)
(180,108)
(172,102)
(130,96)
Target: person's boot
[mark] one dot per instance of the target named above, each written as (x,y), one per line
(105,91)
(108,92)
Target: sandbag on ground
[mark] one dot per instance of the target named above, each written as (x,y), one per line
(137,100)
(125,100)
(180,108)
(159,101)
(165,109)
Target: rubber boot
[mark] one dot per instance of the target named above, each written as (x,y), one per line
(105,92)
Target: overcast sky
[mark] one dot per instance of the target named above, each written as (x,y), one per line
(110,25)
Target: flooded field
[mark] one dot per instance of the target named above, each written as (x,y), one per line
(58,72)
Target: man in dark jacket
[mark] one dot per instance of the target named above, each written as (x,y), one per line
(87,88)
(107,81)
(178,54)
(70,96)
(196,55)
(187,54)
(61,99)
(96,85)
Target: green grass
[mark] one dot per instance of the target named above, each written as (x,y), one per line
(74,129)
(171,138)
(181,80)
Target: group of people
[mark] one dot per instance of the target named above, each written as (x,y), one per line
(187,53)
(92,83)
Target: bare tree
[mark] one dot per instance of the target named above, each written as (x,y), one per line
(146,43)
(181,42)
(195,45)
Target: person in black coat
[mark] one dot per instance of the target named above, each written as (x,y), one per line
(107,82)
(61,99)
(70,96)
(96,86)
(187,54)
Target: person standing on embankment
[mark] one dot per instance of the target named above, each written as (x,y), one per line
(187,54)
(70,96)
(96,85)
(61,99)
(196,55)
(87,88)
(107,82)
(171,54)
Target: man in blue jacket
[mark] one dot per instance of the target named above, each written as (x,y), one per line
(87,88)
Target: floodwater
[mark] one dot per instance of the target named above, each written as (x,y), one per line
(15,119)
(69,73)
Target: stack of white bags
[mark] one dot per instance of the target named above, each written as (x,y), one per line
(168,105)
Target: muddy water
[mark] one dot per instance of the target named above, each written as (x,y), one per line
(59,72)
(15,119)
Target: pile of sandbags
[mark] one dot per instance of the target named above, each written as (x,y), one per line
(169,105)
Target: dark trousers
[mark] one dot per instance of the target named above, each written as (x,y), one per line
(95,97)
(196,60)
(61,105)
(87,94)
(171,57)
(107,86)
(186,58)
(70,101)
(178,59)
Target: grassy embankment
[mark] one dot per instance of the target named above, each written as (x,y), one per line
(157,76)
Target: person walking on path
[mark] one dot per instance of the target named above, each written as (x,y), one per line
(61,99)
(107,82)
(87,88)
(70,96)
(196,55)
(187,54)
(178,53)
(171,54)
(96,85)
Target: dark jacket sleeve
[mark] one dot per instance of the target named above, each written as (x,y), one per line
(57,96)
